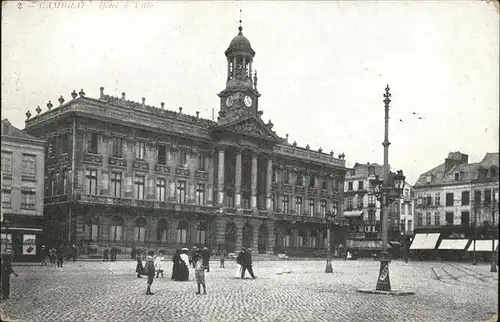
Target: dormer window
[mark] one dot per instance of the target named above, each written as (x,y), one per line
(457,176)
(483,173)
(493,172)
(429,178)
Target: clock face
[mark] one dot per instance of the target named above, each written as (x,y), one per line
(248,101)
(229,101)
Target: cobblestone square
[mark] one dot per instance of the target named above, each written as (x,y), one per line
(283,291)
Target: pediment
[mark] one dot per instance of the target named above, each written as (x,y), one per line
(252,126)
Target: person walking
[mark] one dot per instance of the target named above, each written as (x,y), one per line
(52,255)
(43,254)
(199,272)
(176,265)
(60,256)
(246,263)
(222,259)
(139,269)
(74,252)
(239,259)
(159,265)
(206,258)
(150,271)
(7,270)
(105,256)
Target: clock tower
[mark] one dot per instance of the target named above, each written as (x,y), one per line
(240,97)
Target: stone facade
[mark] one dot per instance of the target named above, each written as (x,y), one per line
(139,176)
(458,193)
(22,190)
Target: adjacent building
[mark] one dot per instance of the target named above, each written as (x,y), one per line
(22,192)
(129,175)
(458,194)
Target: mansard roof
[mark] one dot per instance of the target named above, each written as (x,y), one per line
(9,130)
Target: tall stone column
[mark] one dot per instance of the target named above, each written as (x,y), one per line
(220,175)
(306,195)
(105,163)
(210,185)
(293,182)
(171,189)
(270,236)
(269,179)
(255,154)
(237,179)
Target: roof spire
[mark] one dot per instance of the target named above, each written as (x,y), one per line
(240,28)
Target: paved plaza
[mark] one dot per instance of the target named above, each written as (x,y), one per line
(97,291)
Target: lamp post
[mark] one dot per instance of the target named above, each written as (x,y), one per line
(474,235)
(493,267)
(386,191)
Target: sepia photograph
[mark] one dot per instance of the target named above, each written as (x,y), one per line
(250,160)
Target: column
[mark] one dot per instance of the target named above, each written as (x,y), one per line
(269,179)
(234,67)
(171,189)
(220,177)
(129,156)
(150,159)
(293,182)
(237,179)
(255,238)
(255,154)
(192,165)
(210,185)
(270,237)
(306,194)
(105,162)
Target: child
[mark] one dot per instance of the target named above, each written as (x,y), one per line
(199,272)
(159,265)
(150,271)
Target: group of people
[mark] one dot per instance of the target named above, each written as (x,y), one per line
(199,260)
(107,253)
(57,255)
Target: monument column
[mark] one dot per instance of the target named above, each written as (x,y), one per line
(237,179)
(255,154)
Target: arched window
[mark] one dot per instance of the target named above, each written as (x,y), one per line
(287,238)
(116,229)
(92,229)
(301,238)
(140,229)
(162,232)
(202,233)
(182,229)
(313,237)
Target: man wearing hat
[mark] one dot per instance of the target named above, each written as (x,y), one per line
(206,258)
(246,263)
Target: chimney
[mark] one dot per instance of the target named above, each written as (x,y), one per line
(197,114)
(143,101)
(180,109)
(162,105)
(123,95)
(102,92)
(286,138)
(453,159)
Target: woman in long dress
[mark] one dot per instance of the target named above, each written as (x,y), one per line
(176,268)
(184,271)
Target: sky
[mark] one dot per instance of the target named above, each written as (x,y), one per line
(322,67)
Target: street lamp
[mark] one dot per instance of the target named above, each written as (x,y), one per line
(493,267)
(329,216)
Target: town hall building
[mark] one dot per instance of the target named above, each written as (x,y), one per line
(132,176)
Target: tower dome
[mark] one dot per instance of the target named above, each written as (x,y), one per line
(240,43)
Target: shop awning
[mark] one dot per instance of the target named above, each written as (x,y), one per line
(365,244)
(355,213)
(453,244)
(23,229)
(424,241)
(482,245)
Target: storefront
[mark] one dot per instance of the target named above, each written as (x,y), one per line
(22,238)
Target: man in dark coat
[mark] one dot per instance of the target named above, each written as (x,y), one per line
(60,256)
(6,271)
(150,271)
(206,259)
(74,252)
(246,263)
(43,254)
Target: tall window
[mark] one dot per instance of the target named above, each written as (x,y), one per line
(286,176)
(274,202)
(181,191)
(437,199)
(162,231)
(139,186)
(91,181)
(372,200)
(28,196)
(202,158)
(116,229)
(64,143)
(285,203)
(162,154)
(449,199)
(182,229)
(465,198)
(116,184)
(118,147)
(348,203)
(449,218)
(402,223)
(202,233)
(324,183)
(29,165)
(6,162)
(161,189)
(487,196)
(419,219)
(311,207)
(275,174)
(335,207)
(350,186)
(92,230)
(92,142)
(322,207)
(182,158)
(64,181)
(200,193)
(428,219)
(360,185)
(298,205)
(437,219)
(409,224)
(371,216)
(6,198)
(313,237)
(360,201)
(477,198)
(300,179)
(140,150)
(312,180)
(140,229)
